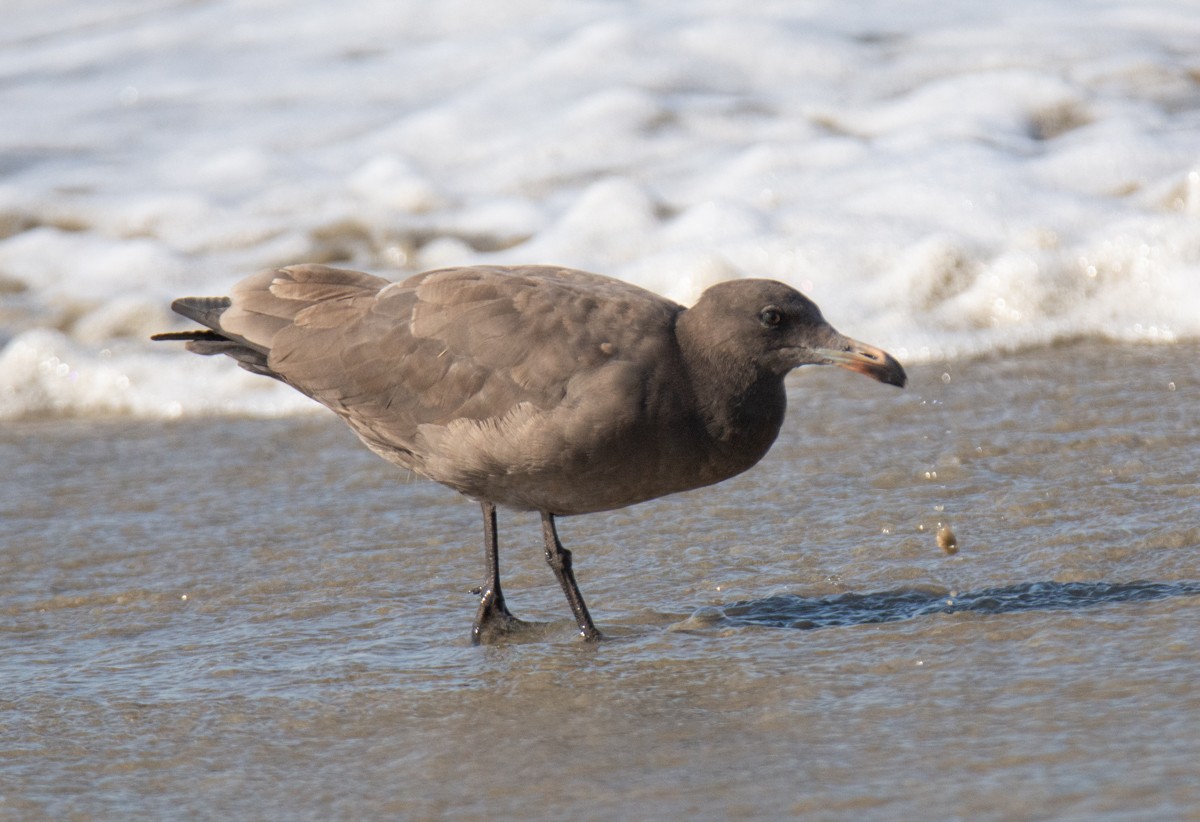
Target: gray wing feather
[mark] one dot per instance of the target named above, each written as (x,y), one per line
(440,348)
(244,325)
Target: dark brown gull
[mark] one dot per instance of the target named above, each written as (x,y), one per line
(531,387)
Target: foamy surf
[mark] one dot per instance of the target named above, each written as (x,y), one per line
(944,182)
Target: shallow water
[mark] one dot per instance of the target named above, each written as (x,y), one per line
(216,618)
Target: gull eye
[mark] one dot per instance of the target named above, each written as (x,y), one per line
(770,317)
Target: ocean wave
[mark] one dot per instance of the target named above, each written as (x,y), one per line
(945,183)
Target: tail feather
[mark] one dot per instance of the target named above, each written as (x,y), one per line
(247,358)
(186,336)
(210,343)
(205,310)
(214,340)
(243,325)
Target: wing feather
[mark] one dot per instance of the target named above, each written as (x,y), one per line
(462,358)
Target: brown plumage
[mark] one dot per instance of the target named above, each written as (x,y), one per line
(536,388)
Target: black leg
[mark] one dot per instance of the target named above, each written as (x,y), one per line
(560,562)
(492,615)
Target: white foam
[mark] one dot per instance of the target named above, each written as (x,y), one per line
(944,180)
(45,372)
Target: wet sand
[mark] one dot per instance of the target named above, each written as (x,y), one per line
(250,618)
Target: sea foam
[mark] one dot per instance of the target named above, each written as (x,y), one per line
(943,181)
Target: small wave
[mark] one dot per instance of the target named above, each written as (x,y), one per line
(842,610)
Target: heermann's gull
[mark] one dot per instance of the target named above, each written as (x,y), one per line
(537,388)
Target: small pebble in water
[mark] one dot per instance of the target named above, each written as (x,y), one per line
(946,539)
